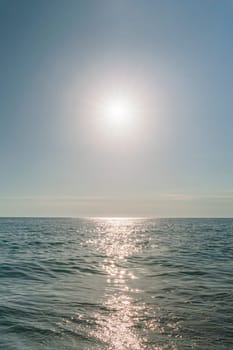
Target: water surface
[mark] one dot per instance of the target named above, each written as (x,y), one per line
(116,284)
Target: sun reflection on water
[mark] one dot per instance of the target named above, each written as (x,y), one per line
(126,321)
(117,330)
(117,238)
(117,241)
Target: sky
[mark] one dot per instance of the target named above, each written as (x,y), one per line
(61,63)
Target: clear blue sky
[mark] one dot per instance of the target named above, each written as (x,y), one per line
(59,57)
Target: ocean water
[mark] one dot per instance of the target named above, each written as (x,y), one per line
(116,284)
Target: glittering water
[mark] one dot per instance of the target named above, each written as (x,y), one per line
(116,284)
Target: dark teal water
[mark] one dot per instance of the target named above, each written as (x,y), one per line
(116,284)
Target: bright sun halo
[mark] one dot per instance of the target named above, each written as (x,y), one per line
(118,112)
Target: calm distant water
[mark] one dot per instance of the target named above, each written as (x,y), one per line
(116,284)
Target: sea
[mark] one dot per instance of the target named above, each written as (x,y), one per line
(116,284)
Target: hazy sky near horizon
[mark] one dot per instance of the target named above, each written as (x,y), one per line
(171,58)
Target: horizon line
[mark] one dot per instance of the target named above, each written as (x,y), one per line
(115,217)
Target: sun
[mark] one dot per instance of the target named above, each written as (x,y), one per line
(118,112)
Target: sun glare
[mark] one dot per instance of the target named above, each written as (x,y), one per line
(118,112)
